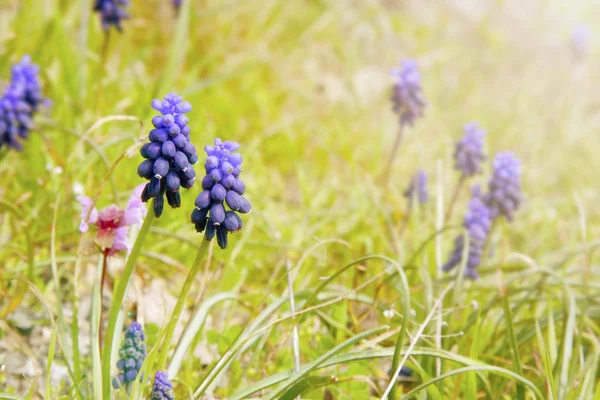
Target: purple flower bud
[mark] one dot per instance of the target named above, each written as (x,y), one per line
(226,168)
(218,192)
(504,188)
(145,169)
(154,150)
(207,182)
(158,121)
(199,215)
(159,203)
(174,130)
(188,174)
(173,198)
(478,223)
(234,200)
(245,206)
(232,221)
(185,131)
(235,159)
(211,229)
(158,135)
(168,120)
(111,13)
(407,99)
(203,200)
(189,149)
(154,187)
(144,150)
(132,354)
(217,213)
(193,159)
(181,120)
(172,181)
(418,188)
(180,161)
(161,167)
(469,152)
(239,186)
(211,163)
(183,108)
(237,171)
(222,237)
(215,175)
(228,181)
(168,149)
(180,141)
(162,389)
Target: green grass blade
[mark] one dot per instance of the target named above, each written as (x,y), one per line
(516,358)
(51,348)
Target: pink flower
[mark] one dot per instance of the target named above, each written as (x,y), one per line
(112,224)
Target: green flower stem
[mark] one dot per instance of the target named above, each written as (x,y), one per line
(187,286)
(117,300)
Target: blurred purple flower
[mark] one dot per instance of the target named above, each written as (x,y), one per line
(504,188)
(407,99)
(111,223)
(162,389)
(21,99)
(417,188)
(580,39)
(478,223)
(111,13)
(469,152)
(131,355)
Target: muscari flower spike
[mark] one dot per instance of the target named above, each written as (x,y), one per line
(162,389)
(169,155)
(131,355)
(478,224)
(112,12)
(21,99)
(417,188)
(222,185)
(469,152)
(407,99)
(504,188)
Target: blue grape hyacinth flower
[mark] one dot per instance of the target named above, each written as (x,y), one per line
(162,389)
(407,98)
(112,12)
(504,188)
(478,223)
(131,355)
(222,186)
(169,155)
(469,152)
(19,102)
(417,188)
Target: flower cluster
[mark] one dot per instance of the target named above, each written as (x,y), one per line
(169,155)
(504,188)
(222,185)
(112,224)
(111,12)
(469,152)
(131,355)
(417,188)
(478,224)
(162,389)
(21,99)
(407,98)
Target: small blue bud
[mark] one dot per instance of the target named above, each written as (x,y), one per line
(180,161)
(158,135)
(203,200)
(158,121)
(234,200)
(239,186)
(215,175)
(222,237)
(207,182)
(145,169)
(154,150)
(217,213)
(172,181)
(232,221)
(245,206)
(179,141)
(218,192)
(228,181)
(168,149)
(161,167)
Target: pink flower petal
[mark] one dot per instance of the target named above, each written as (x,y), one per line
(86,204)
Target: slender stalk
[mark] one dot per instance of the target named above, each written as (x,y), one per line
(117,300)
(187,286)
(104,267)
(457,189)
(397,142)
(295,339)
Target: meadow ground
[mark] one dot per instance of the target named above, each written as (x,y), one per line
(304,87)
